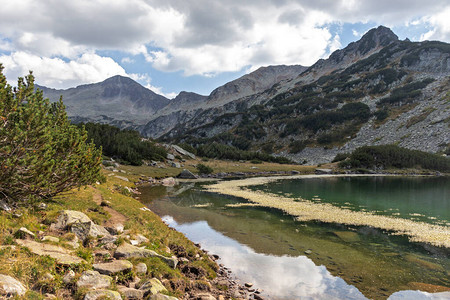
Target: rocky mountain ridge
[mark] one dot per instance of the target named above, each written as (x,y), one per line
(376,90)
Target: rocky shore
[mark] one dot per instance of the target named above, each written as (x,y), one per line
(119,268)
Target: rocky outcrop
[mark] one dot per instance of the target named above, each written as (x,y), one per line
(61,255)
(10,287)
(69,217)
(186,174)
(151,287)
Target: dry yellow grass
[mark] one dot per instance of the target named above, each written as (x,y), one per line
(305,210)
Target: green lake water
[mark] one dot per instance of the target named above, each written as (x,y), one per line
(288,259)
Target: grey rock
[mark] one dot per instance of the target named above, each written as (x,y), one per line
(130,293)
(102,294)
(113,267)
(170,156)
(42,206)
(23,232)
(68,277)
(204,296)
(4,206)
(151,287)
(122,178)
(323,171)
(10,286)
(50,239)
(129,251)
(162,297)
(93,280)
(70,217)
(186,174)
(88,229)
(61,255)
(141,268)
(175,165)
(183,152)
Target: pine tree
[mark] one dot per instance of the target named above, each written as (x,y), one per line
(41,153)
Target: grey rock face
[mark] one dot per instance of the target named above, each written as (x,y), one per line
(88,229)
(10,286)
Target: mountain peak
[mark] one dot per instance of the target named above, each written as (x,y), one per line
(380,36)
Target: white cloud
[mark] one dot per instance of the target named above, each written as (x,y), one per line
(145,80)
(197,37)
(57,73)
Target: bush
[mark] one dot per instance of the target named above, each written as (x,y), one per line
(203,169)
(391,156)
(41,153)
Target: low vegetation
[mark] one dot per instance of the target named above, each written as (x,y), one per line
(127,146)
(41,153)
(391,156)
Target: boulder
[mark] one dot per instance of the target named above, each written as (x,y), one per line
(93,280)
(129,251)
(10,287)
(113,267)
(183,152)
(151,287)
(115,229)
(102,294)
(170,156)
(61,255)
(130,293)
(175,165)
(70,217)
(83,230)
(186,174)
(169,181)
(323,171)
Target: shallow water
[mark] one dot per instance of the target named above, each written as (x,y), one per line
(308,260)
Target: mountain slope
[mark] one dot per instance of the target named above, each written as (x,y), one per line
(377,90)
(115,99)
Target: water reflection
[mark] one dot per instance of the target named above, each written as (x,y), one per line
(281,277)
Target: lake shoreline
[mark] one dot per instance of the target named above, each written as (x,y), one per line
(306,210)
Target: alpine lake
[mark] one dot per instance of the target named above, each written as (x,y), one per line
(291,259)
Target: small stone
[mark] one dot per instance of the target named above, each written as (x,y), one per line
(184,260)
(248,284)
(68,277)
(130,293)
(102,294)
(122,178)
(42,206)
(10,286)
(308,252)
(4,206)
(204,296)
(48,276)
(49,238)
(23,232)
(128,251)
(141,268)
(49,296)
(162,297)
(93,280)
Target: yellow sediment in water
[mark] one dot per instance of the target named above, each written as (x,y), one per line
(306,210)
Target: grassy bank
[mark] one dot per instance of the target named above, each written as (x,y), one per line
(33,270)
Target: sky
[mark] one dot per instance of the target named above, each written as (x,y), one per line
(170,46)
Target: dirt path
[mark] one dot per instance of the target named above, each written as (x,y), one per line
(116,217)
